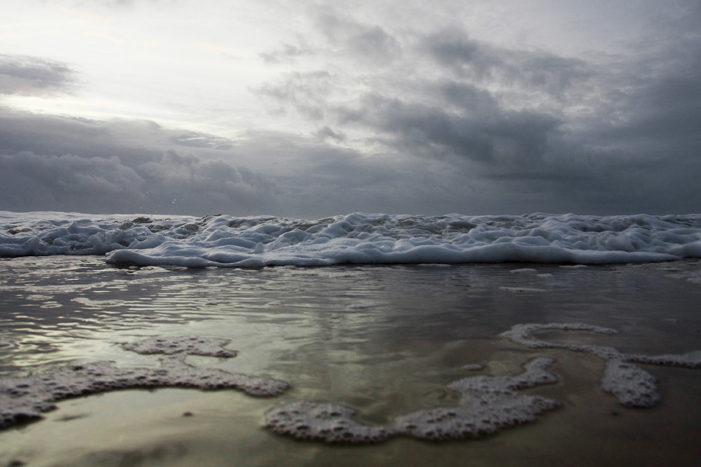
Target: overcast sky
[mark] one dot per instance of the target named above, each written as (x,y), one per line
(315,108)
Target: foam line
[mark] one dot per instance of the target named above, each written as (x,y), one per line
(488,404)
(204,346)
(633,386)
(358,238)
(25,399)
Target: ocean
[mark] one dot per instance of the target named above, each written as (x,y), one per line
(364,339)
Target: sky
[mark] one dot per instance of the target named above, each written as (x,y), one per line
(316,108)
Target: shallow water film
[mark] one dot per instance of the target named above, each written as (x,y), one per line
(371,350)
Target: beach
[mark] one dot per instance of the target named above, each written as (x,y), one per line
(383,341)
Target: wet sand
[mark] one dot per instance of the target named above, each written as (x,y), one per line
(384,341)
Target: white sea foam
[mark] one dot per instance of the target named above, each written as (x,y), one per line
(324,422)
(633,386)
(26,399)
(488,404)
(227,241)
(203,346)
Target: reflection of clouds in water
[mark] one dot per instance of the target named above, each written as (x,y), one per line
(332,343)
(489,403)
(97,303)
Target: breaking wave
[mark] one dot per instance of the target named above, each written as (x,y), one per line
(358,238)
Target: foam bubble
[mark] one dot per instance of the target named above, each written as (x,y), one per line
(687,360)
(205,346)
(488,404)
(323,422)
(633,386)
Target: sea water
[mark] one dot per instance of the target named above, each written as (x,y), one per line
(385,347)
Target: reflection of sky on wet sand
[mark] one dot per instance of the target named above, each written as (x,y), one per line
(383,340)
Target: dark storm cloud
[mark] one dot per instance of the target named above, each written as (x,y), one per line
(484,63)
(659,107)
(175,184)
(599,133)
(71,174)
(32,75)
(490,137)
(418,122)
(127,166)
(54,135)
(55,163)
(317,179)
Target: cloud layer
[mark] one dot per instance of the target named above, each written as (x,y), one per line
(373,109)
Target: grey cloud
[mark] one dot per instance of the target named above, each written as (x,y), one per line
(134,141)
(188,175)
(305,92)
(287,53)
(464,98)
(369,43)
(54,135)
(530,130)
(175,184)
(49,162)
(481,62)
(321,180)
(325,133)
(455,124)
(73,175)
(497,137)
(26,75)
(342,37)
(35,182)
(201,140)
